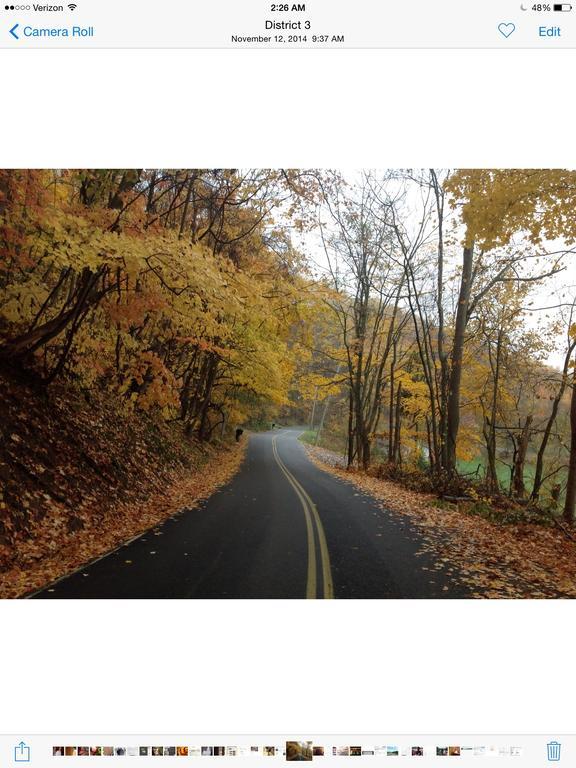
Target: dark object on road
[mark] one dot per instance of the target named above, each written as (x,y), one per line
(239,433)
(273,425)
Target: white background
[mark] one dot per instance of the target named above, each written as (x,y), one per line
(265,666)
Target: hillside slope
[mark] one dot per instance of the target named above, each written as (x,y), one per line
(78,476)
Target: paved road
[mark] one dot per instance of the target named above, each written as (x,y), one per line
(281,528)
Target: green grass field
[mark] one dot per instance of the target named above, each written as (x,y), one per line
(477,468)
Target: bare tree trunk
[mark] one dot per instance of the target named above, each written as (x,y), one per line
(203,432)
(429,441)
(313,414)
(366,452)
(350,457)
(518,477)
(184,217)
(322,419)
(489,437)
(453,404)
(539,471)
(514,455)
(490,421)
(571,482)
(398,418)
(391,420)
(442,354)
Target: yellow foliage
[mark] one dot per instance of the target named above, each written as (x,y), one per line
(496,204)
(165,320)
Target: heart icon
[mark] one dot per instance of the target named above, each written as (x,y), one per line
(506,28)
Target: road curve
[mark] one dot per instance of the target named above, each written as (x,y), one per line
(281,528)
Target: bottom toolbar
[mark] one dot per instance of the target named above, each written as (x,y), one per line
(70,750)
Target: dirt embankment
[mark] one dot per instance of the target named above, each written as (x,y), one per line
(78,476)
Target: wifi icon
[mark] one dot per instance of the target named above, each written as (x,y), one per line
(72,6)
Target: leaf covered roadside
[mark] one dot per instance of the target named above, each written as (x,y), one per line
(76,481)
(494,561)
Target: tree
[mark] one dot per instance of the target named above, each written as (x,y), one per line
(496,205)
(366,284)
(174,290)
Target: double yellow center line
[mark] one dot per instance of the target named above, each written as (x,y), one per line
(313,525)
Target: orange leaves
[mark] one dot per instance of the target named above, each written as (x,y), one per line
(151,383)
(184,489)
(133,307)
(83,478)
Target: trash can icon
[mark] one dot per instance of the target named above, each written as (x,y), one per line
(553,748)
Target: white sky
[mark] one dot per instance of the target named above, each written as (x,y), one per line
(551,291)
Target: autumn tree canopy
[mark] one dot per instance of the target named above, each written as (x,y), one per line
(175,290)
(390,309)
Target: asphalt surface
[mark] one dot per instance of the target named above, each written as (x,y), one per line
(282,528)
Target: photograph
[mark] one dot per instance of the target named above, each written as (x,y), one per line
(366,376)
(417,751)
(299,750)
(355,751)
(317,751)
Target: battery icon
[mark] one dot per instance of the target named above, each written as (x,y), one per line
(562,7)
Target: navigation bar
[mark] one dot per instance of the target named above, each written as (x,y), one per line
(334,24)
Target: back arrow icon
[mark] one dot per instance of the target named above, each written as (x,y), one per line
(13,31)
